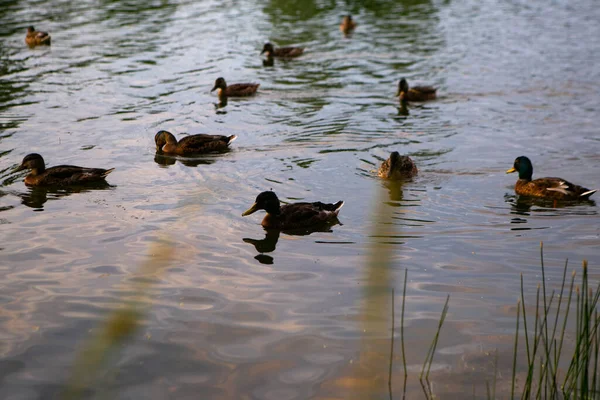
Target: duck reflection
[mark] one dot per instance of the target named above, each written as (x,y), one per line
(168,160)
(395,190)
(37,196)
(269,243)
(222,103)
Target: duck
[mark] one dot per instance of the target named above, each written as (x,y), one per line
(61,175)
(282,52)
(549,188)
(397,167)
(347,24)
(417,93)
(295,215)
(34,38)
(235,90)
(192,144)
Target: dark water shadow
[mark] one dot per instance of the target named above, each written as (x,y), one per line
(269,243)
(36,197)
(167,160)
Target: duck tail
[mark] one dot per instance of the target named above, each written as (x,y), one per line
(587,194)
(338,206)
(108,171)
(231,138)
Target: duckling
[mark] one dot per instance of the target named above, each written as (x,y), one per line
(550,188)
(61,175)
(34,38)
(397,167)
(294,215)
(347,24)
(282,52)
(192,144)
(235,90)
(417,93)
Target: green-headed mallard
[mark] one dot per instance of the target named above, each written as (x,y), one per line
(295,215)
(550,188)
(34,38)
(417,93)
(192,144)
(282,52)
(61,175)
(235,90)
(347,24)
(397,167)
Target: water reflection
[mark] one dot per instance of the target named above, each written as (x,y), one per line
(167,160)
(36,197)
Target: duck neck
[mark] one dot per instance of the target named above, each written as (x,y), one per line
(273,209)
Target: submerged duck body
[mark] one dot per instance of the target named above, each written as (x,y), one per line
(35,38)
(549,188)
(60,175)
(417,93)
(347,24)
(235,90)
(295,215)
(397,167)
(192,144)
(281,52)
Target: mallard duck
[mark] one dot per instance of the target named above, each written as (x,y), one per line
(347,24)
(192,144)
(235,90)
(282,52)
(550,188)
(397,167)
(295,215)
(34,38)
(417,93)
(61,175)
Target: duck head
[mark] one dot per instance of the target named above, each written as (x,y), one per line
(267,201)
(523,166)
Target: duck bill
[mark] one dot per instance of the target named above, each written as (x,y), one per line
(214,88)
(397,94)
(251,210)
(510,171)
(19,168)
(263,52)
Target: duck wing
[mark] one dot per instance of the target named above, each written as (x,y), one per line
(299,215)
(562,188)
(424,89)
(289,51)
(71,174)
(202,143)
(242,89)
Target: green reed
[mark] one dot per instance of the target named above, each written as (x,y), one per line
(546,355)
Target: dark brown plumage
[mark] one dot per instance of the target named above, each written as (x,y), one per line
(34,38)
(347,24)
(417,93)
(295,215)
(549,188)
(397,167)
(61,175)
(281,52)
(192,144)
(235,90)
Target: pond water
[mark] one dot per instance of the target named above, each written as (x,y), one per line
(234,312)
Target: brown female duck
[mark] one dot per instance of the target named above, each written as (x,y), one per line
(417,93)
(347,24)
(34,38)
(61,175)
(235,90)
(550,188)
(397,167)
(192,144)
(281,52)
(294,215)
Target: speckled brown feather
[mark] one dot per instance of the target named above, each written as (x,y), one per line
(197,144)
(64,175)
(540,188)
(288,52)
(303,215)
(419,93)
(241,89)
(403,168)
(35,38)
